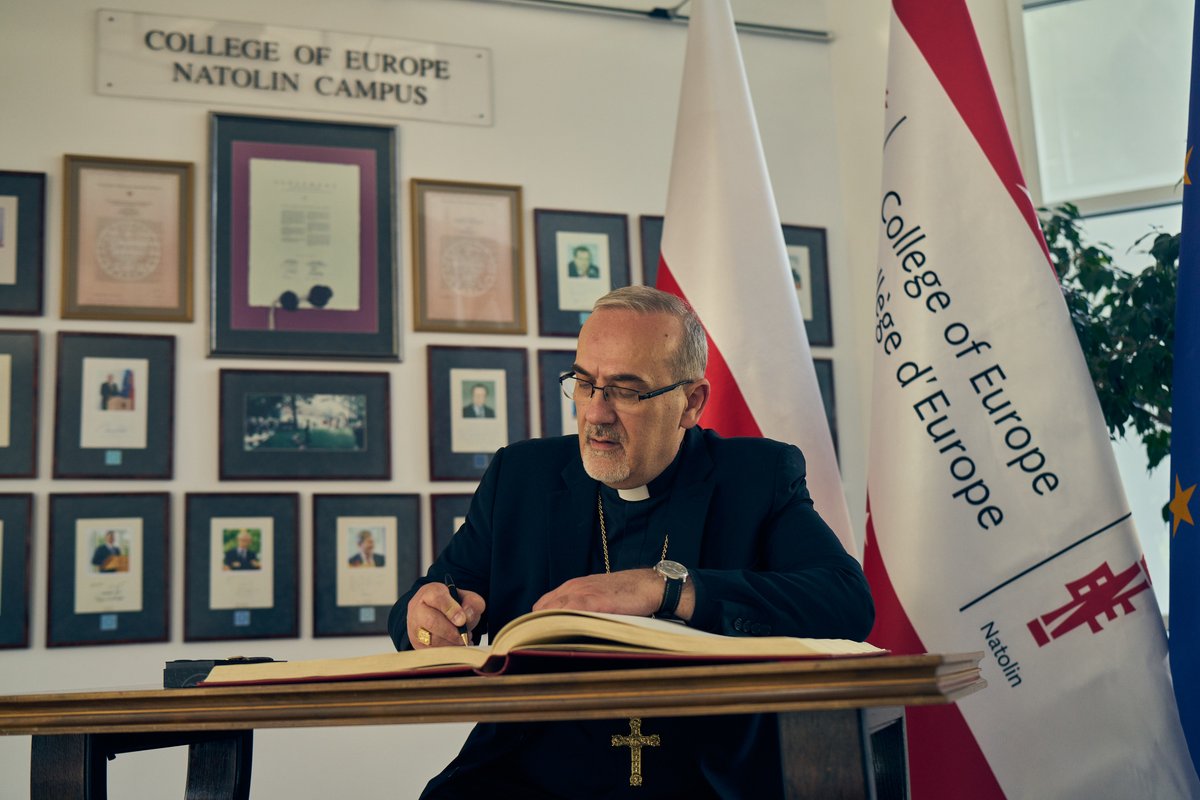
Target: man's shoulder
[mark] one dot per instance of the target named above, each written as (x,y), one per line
(748,456)
(551,449)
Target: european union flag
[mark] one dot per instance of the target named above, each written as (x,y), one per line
(1185,438)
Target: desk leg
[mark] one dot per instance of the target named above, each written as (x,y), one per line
(844,755)
(219,768)
(67,766)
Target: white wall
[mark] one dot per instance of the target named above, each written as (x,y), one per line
(584,110)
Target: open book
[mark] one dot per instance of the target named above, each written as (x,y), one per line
(549,634)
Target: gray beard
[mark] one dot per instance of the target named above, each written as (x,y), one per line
(607,469)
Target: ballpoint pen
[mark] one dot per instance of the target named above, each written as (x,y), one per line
(463,631)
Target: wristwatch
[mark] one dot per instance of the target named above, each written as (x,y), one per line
(674,575)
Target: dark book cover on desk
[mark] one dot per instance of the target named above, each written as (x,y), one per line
(558,640)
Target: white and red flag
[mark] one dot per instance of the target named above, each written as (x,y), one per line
(996,516)
(723,252)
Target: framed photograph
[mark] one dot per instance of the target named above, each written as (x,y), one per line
(109,569)
(240,566)
(22,241)
(558,411)
(366,552)
(651,228)
(809,263)
(16,514)
(292,425)
(115,408)
(18,404)
(807,258)
(467,257)
(581,256)
(127,239)
(824,367)
(449,514)
(303,238)
(478,403)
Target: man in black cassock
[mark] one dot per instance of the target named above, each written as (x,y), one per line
(643,513)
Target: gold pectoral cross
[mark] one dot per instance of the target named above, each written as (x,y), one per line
(635,742)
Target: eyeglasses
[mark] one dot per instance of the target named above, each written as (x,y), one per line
(577,389)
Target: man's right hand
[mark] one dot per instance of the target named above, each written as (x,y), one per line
(433,609)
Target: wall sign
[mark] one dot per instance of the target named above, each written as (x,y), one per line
(213,62)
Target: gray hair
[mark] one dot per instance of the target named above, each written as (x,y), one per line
(691,358)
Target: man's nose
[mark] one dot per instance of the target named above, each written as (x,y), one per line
(599,410)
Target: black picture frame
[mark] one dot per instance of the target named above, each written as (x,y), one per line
(445,509)
(360,319)
(460,448)
(108,599)
(218,602)
(565,298)
(552,364)
(262,439)
(115,406)
(26,192)
(350,599)
(809,243)
(19,445)
(650,231)
(16,534)
(824,368)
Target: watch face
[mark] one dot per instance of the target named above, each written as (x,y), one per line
(671,570)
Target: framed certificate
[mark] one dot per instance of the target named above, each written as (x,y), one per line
(303,239)
(22,241)
(115,406)
(366,552)
(558,411)
(467,257)
(581,257)
(449,513)
(109,569)
(18,403)
(127,239)
(241,562)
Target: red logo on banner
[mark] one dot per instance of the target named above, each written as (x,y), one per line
(1098,592)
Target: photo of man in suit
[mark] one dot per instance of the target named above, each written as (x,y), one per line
(478,408)
(108,390)
(366,555)
(108,556)
(243,556)
(581,265)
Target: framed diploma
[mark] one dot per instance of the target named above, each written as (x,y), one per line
(115,408)
(478,403)
(15,535)
(467,257)
(366,552)
(303,239)
(127,239)
(810,273)
(558,411)
(18,403)
(581,257)
(449,513)
(109,569)
(240,566)
(292,425)
(22,241)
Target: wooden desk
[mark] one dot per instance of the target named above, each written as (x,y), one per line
(836,740)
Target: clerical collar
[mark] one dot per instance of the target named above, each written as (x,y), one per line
(634,495)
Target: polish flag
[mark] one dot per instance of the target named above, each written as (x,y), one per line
(996,516)
(723,252)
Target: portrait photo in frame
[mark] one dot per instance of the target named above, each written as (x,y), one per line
(16,534)
(127,239)
(293,425)
(241,566)
(650,229)
(109,569)
(115,406)
(468,257)
(581,256)
(19,351)
(558,411)
(449,512)
(303,238)
(366,551)
(478,403)
(824,368)
(22,241)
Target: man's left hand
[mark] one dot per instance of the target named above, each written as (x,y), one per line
(637,592)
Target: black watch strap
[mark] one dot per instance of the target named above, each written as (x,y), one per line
(671,594)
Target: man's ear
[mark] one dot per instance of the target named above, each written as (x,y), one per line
(697,399)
